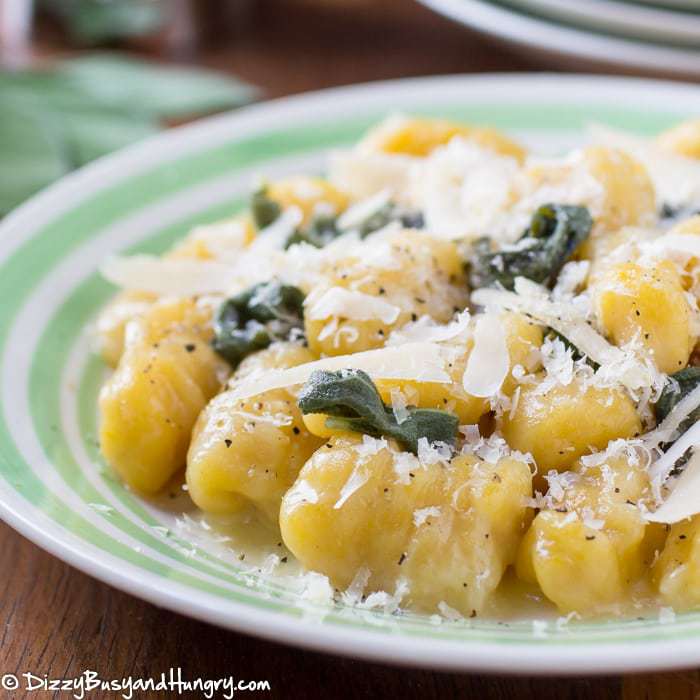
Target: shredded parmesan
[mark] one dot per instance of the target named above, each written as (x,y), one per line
(167,277)
(617,365)
(358,213)
(404,464)
(358,478)
(301,492)
(425,330)
(340,302)
(666,430)
(421,515)
(353,594)
(422,362)
(489,361)
(684,500)
(399,405)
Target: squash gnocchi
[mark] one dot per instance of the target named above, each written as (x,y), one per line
(445,364)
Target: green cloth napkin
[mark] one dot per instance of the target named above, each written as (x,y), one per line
(54,121)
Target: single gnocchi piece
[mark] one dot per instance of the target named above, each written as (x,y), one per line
(649,305)
(220,238)
(683,139)
(613,248)
(614,186)
(249,452)
(418,137)
(690,275)
(567,421)
(629,198)
(589,551)
(677,571)
(111,323)
(308,194)
(204,242)
(523,339)
(165,377)
(448,530)
(408,273)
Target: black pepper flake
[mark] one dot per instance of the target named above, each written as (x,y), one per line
(296,430)
(402,558)
(682,537)
(412,475)
(472,613)
(590,537)
(241,557)
(228,442)
(190,347)
(414,317)
(617,489)
(283,560)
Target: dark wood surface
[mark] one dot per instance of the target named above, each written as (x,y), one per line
(56,621)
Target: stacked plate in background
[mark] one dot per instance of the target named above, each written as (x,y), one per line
(659,36)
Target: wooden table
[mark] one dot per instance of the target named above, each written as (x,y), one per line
(59,622)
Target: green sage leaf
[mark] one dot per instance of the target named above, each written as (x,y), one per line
(352,402)
(555,232)
(681,384)
(263,208)
(253,319)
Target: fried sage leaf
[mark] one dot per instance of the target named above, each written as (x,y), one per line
(556,230)
(254,318)
(683,382)
(353,403)
(671,212)
(263,208)
(321,231)
(324,227)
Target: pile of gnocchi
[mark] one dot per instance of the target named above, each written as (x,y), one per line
(446,367)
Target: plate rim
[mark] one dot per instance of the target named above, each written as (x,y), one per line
(362,643)
(509,24)
(647,23)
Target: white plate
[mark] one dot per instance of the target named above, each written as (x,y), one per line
(607,16)
(550,38)
(688,5)
(55,489)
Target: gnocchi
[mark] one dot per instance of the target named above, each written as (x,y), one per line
(444,364)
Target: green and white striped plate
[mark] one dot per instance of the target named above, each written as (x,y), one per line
(54,488)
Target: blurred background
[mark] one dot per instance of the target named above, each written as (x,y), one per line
(80,78)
